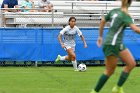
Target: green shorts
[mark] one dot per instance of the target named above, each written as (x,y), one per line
(114,50)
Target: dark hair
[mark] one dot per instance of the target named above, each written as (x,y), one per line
(64,26)
(129,2)
(72,18)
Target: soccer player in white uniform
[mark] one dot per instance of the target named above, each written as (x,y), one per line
(69,33)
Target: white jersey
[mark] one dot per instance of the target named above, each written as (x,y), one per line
(70,34)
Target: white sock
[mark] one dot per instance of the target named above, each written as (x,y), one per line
(74,64)
(62,58)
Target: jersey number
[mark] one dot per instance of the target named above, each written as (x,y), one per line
(113,19)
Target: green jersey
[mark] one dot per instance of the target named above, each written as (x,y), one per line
(119,20)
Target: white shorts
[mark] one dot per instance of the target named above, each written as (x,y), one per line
(68,47)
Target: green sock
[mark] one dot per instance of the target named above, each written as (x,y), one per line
(123,78)
(101,82)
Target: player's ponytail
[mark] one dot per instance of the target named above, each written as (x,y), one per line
(126,3)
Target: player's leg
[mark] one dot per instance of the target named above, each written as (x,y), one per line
(111,62)
(62,58)
(66,57)
(126,57)
(72,57)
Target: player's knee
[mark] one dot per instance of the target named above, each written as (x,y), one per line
(73,57)
(69,58)
(132,65)
(109,72)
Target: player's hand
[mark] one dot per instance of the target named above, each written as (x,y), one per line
(62,45)
(99,41)
(85,45)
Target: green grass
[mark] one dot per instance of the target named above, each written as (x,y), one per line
(60,80)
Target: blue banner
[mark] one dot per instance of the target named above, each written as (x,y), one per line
(41,44)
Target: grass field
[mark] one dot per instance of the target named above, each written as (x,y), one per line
(60,80)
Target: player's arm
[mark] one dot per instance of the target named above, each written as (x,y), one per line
(135,28)
(83,39)
(60,40)
(130,22)
(60,36)
(101,28)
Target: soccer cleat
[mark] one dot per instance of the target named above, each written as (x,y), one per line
(58,58)
(93,91)
(117,89)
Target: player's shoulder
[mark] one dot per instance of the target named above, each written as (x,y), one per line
(67,27)
(127,15)
(115,10)
(75,27)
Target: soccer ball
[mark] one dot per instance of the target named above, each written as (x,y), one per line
(82,67)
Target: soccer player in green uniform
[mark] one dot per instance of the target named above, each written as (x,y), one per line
(113,47)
